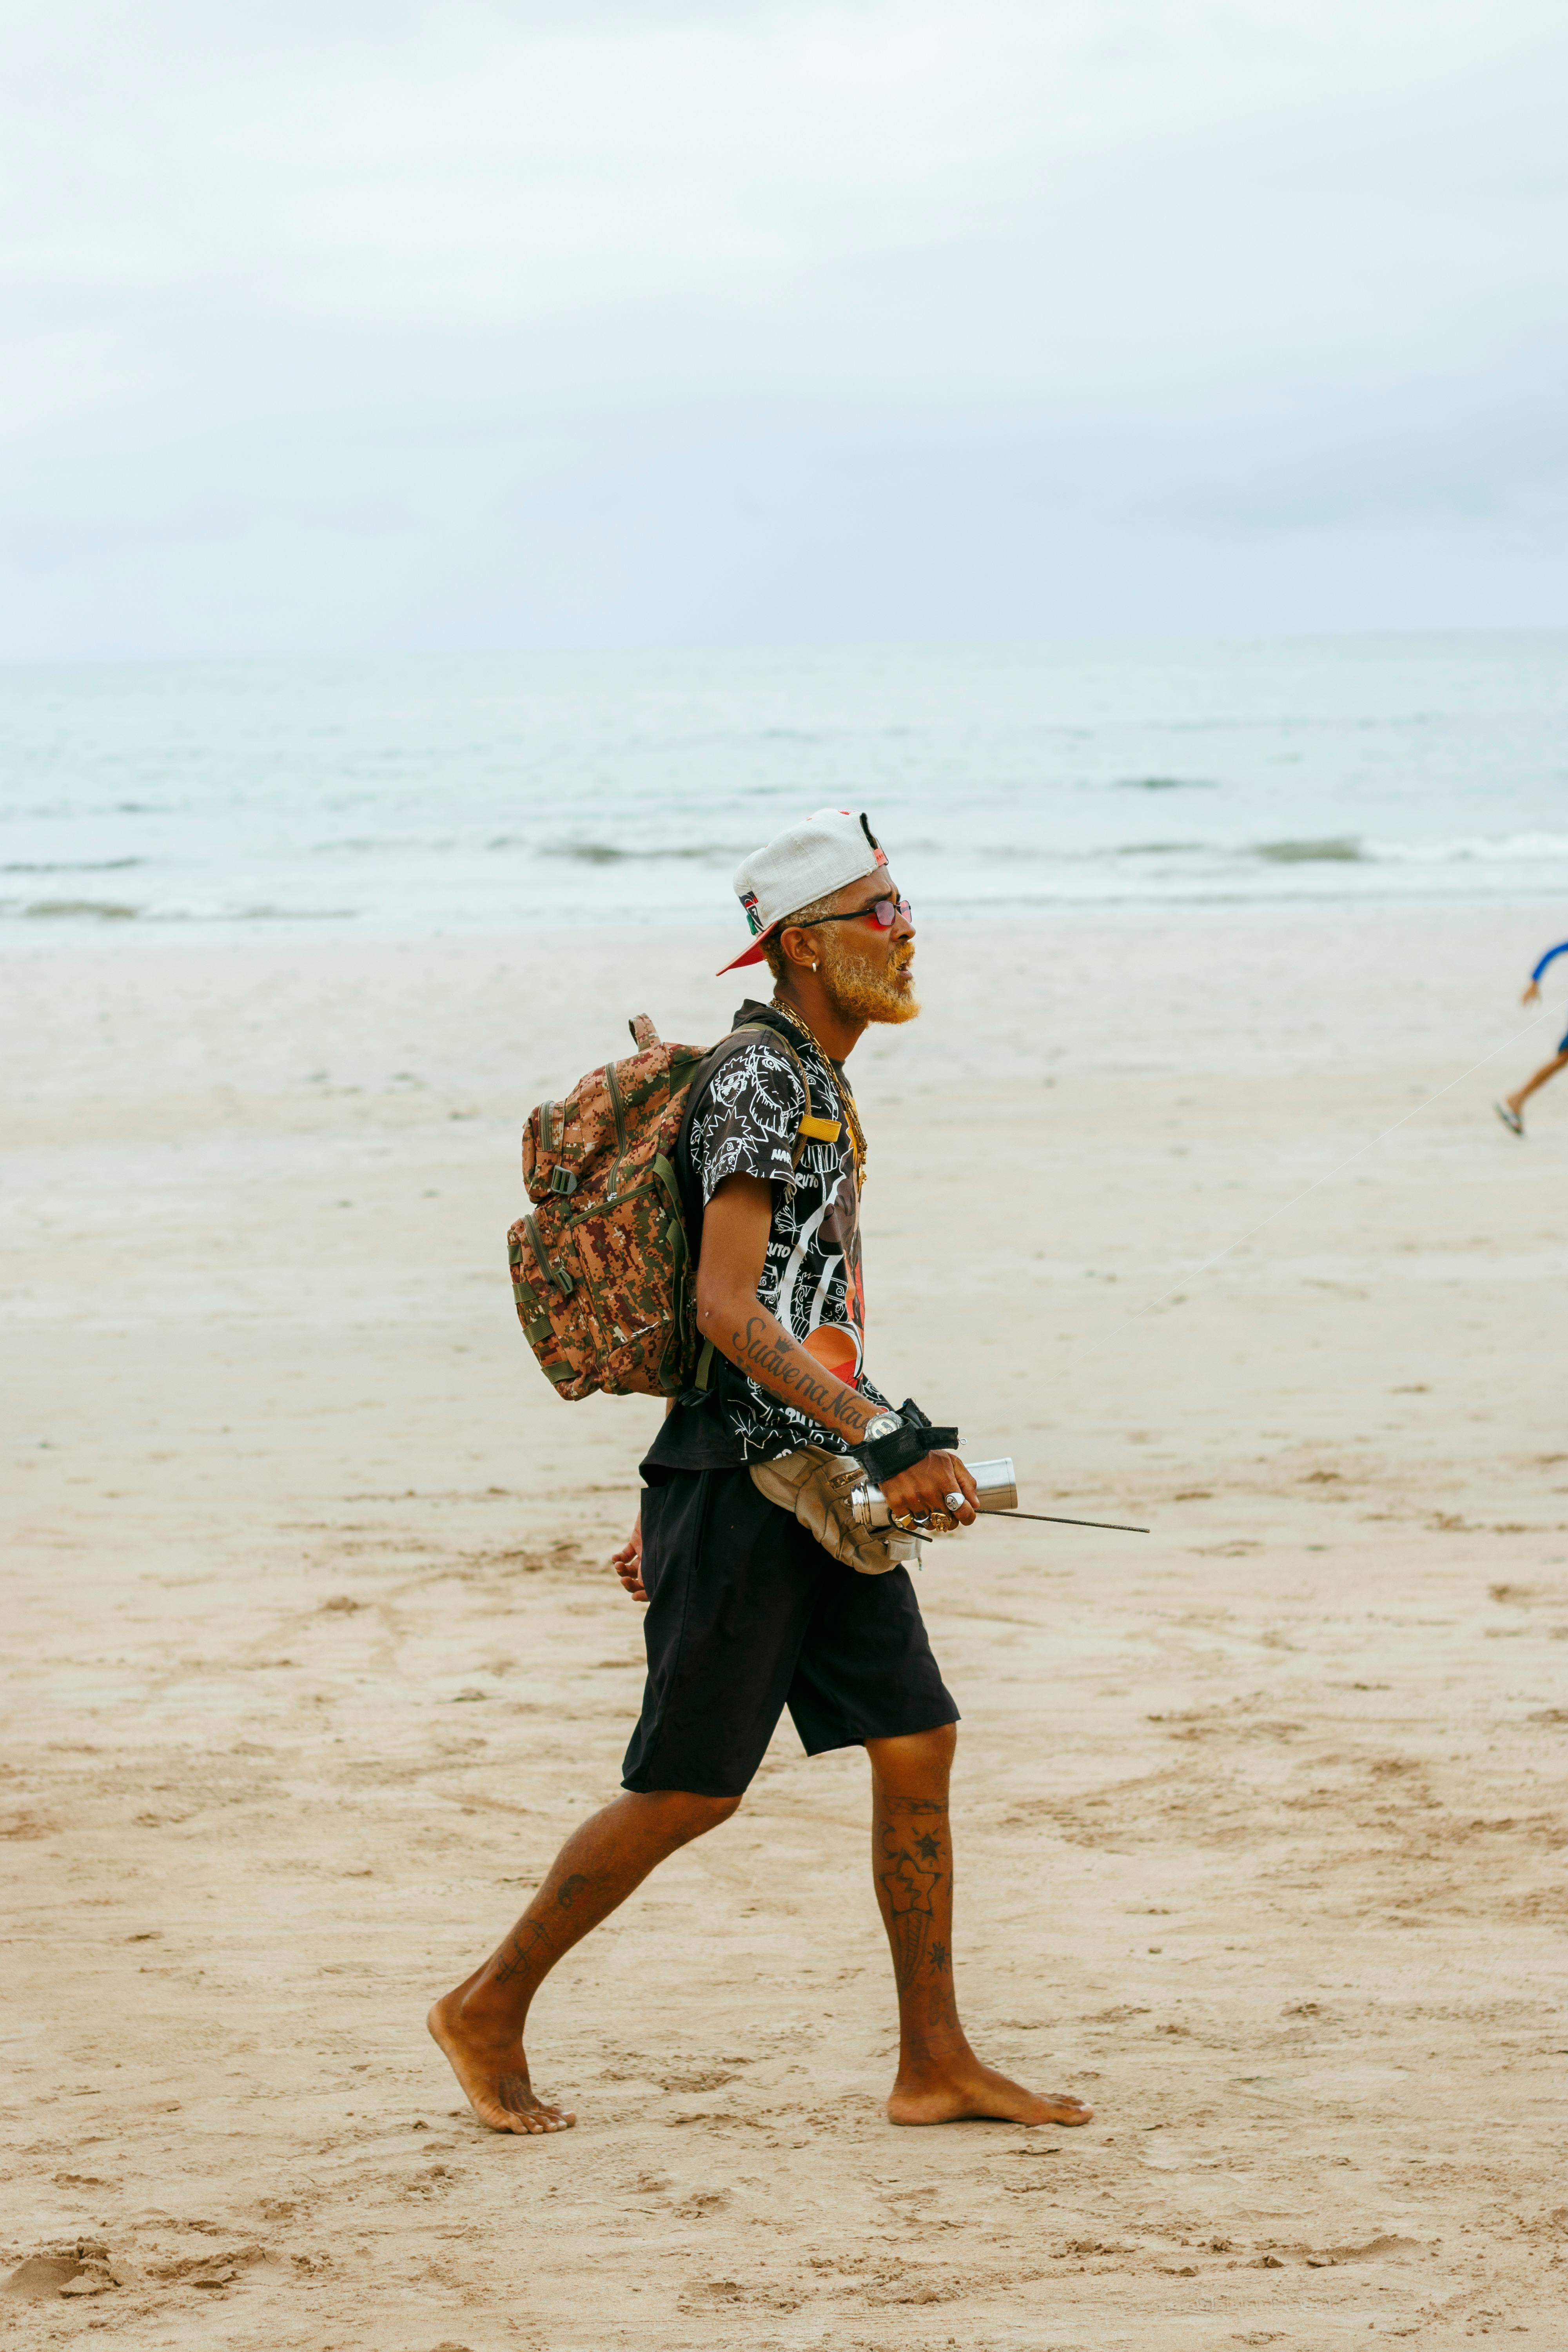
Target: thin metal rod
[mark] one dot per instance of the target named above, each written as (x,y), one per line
(1050,1519)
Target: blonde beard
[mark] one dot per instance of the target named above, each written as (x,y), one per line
(858,994)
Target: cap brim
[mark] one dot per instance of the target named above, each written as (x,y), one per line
(753,954)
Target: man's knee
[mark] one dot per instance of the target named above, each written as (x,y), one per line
(940,1741)
(715,1810)
(690,1815)
(915,1757)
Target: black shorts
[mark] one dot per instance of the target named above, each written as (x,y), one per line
(747,1615)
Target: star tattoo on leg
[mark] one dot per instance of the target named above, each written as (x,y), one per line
(909,1892)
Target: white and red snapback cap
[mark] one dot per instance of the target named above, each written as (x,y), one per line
(809,862)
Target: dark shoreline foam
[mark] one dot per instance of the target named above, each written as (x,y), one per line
(73,865)
(463,887)
(607,853)
(113,911)
(101,910)
(679,882)
(1193,896)
(1164,784)
(1334,849)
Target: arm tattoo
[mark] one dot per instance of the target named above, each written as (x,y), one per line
(776,1362)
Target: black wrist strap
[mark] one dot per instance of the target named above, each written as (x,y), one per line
(884,1457)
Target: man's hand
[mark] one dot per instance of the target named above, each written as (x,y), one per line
(1532,994)
(628,1561)
(927,1487)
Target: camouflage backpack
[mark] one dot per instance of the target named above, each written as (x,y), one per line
(603,1268)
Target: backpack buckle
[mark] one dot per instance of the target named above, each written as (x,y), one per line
(563,1180)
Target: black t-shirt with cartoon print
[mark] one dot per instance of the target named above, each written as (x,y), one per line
(748,1123)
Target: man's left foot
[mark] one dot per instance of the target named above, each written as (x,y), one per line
(975,2090)
(492,2071)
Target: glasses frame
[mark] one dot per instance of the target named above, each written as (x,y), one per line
(899,906)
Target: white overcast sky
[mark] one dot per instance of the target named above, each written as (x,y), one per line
(331,324)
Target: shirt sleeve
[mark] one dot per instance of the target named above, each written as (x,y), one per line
(748,1125)
(1552,953)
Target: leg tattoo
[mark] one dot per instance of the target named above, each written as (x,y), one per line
(915,1873)
(529,1946)
(940,2077)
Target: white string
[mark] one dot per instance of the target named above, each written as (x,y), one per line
(1326,1178)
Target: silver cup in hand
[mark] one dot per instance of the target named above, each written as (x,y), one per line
(996,1487)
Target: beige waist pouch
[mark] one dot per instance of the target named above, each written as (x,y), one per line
(816,1485)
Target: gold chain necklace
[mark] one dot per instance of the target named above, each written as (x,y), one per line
(846,1095)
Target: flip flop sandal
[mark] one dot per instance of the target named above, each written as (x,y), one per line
(1511,1119)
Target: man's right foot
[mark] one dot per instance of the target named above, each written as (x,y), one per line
(964,2091)
(1511,1119)
(493,2073)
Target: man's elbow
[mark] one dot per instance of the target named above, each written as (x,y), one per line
(711,1300)
(723,1310)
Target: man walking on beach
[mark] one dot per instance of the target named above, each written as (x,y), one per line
(747,1613)
(1511,1111)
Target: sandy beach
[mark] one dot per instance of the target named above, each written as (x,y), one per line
(314,1658)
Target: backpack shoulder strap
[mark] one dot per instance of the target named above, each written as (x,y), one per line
(811,1128)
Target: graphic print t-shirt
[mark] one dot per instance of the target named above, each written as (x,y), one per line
(748,1124)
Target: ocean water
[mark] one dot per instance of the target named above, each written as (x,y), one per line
(410,793)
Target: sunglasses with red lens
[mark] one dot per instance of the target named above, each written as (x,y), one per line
(883,912)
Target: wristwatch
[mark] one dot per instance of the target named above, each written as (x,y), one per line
(897,1441)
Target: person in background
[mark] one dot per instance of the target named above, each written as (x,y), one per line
(1511,1111)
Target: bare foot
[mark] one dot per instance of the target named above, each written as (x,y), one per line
(493,2073)
(968,2088)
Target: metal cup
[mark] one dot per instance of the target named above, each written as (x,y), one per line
(996,1482)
